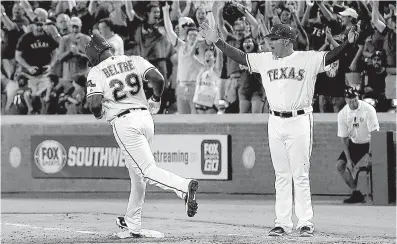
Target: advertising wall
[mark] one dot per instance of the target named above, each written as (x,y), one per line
(203,157)
(228,153)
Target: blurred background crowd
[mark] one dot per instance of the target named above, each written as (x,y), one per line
(44,66)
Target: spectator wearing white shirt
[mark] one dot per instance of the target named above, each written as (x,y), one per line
(106,28)
(188,65)
(356,121)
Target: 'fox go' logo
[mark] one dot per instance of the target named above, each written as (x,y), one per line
(211,157)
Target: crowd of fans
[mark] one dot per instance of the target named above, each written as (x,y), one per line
(44,66)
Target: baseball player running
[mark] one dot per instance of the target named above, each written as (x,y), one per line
(288,77)
(114,91)
(356,121)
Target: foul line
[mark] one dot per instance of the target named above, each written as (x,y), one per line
(49,228)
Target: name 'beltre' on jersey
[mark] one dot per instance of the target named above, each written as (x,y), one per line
(115,69)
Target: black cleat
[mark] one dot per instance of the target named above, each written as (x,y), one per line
(306,231)
(277,231)
(356,197)
(190,200)
(120,222)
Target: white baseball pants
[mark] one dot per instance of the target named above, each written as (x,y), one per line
(290,142)
(134,134)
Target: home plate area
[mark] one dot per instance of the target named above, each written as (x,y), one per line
(233,219)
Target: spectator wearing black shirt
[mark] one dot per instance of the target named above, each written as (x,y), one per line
(351,59)
(150,40)
(13,30)
(36,55)
(375,81)
(316,27)
(330,85)
(87,20)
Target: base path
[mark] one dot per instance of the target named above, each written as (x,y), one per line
(220,219)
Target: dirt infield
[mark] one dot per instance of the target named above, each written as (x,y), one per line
(221,219)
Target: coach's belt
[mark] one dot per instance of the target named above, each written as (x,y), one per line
(129,111)
(289,114)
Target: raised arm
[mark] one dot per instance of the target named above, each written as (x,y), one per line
(306,15)
(8,23)
(250,18)
(211,35)
(303,37)
(187,8)
(91,7)
(28,9)
(301,9)
(327,14)
(376,18)
(337,52)
(217,8)
(171,35)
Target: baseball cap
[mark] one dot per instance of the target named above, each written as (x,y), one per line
(41,13)
(351,92)
(349,12)
(282,31)
(75,21)
(183,21)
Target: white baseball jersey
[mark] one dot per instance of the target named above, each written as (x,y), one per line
(359,123)
(289,82)
(120,80)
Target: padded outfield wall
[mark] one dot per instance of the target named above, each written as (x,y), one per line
(229,153)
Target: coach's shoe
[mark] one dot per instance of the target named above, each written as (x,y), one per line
(277,231)
(306,231)
(120,222)
(190,200)
(356,197)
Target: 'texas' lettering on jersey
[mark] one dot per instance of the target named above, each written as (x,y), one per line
(118,68)
(286,73)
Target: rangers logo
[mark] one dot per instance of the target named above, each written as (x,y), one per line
(211,157)
(50,156)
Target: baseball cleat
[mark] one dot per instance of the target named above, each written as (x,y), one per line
(306,231)
(277,231)
(120,222)
(190,200)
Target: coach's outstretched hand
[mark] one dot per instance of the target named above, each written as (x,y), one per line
(154,105)
(208,33)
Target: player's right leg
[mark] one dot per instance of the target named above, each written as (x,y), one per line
(132,133)
(133,217)
(283,183)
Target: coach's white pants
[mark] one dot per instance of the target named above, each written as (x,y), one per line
(134,134)
(290,142)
